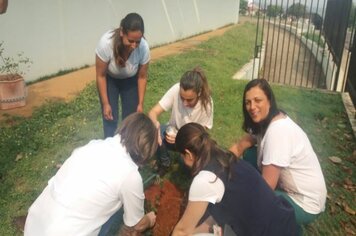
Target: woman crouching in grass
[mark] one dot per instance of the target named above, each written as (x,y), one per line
(95,182)
(227,191)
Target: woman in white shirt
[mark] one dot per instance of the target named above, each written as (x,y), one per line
(285,156)
(122,58)
(227,190)
(96,181)
(189,101)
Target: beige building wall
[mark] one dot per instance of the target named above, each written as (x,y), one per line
(62,34)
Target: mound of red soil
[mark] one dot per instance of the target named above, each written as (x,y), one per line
(168,202)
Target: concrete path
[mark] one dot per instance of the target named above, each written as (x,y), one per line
(288,61)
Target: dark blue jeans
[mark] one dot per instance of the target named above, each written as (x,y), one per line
(114,223)
(127,91)
(162,151)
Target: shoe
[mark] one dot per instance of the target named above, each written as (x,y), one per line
(163,156)
(166,163)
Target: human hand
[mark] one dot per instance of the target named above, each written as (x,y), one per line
(152,218)
(171,133)
(170,139)
(234,149)
(139,108)
(107,112)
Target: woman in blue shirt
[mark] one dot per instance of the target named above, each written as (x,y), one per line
(122,58)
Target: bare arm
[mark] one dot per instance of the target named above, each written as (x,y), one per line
(142,82)
(146,222)
(154,113)
(205,226)
(101,68)
(192,215)
(244,143)
(271,175)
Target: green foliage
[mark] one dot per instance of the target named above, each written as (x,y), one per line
(32,148)
(297,10)
(13,65)
(243,6)
(316,38)
(274,10)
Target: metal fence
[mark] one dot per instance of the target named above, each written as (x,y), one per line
(350,83)
(304,42)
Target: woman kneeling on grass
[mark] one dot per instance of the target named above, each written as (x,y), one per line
(285,156)
(189,101)
(231,191)
(95,182)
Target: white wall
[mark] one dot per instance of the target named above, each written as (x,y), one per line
(62,34)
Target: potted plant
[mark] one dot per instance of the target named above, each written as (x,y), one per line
(12,84)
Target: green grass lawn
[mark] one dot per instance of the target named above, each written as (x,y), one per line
(32,148)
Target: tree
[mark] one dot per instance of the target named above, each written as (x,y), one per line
(317,20)
(243,7)
(297,10)
(274,10)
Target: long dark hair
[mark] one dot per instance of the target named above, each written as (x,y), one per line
(196,139)
(139,136)
(196,80)
(131,22)
(249,125)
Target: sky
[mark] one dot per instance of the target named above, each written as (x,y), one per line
(316,4)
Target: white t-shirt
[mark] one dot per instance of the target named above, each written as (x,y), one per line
(93,184)
(139,56)
(286,145)
(205,188)
(181,114)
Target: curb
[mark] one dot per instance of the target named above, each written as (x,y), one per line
(350,110)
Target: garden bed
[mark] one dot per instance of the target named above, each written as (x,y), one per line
(168,201)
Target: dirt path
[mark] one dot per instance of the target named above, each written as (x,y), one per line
(288,61)
(66,87)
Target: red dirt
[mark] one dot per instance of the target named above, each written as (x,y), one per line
(168,201)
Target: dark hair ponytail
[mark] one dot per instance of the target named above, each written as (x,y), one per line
(131,22)
(249,125)
(196,139)
(196,80)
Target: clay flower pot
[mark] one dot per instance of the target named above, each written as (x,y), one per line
(12,91)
